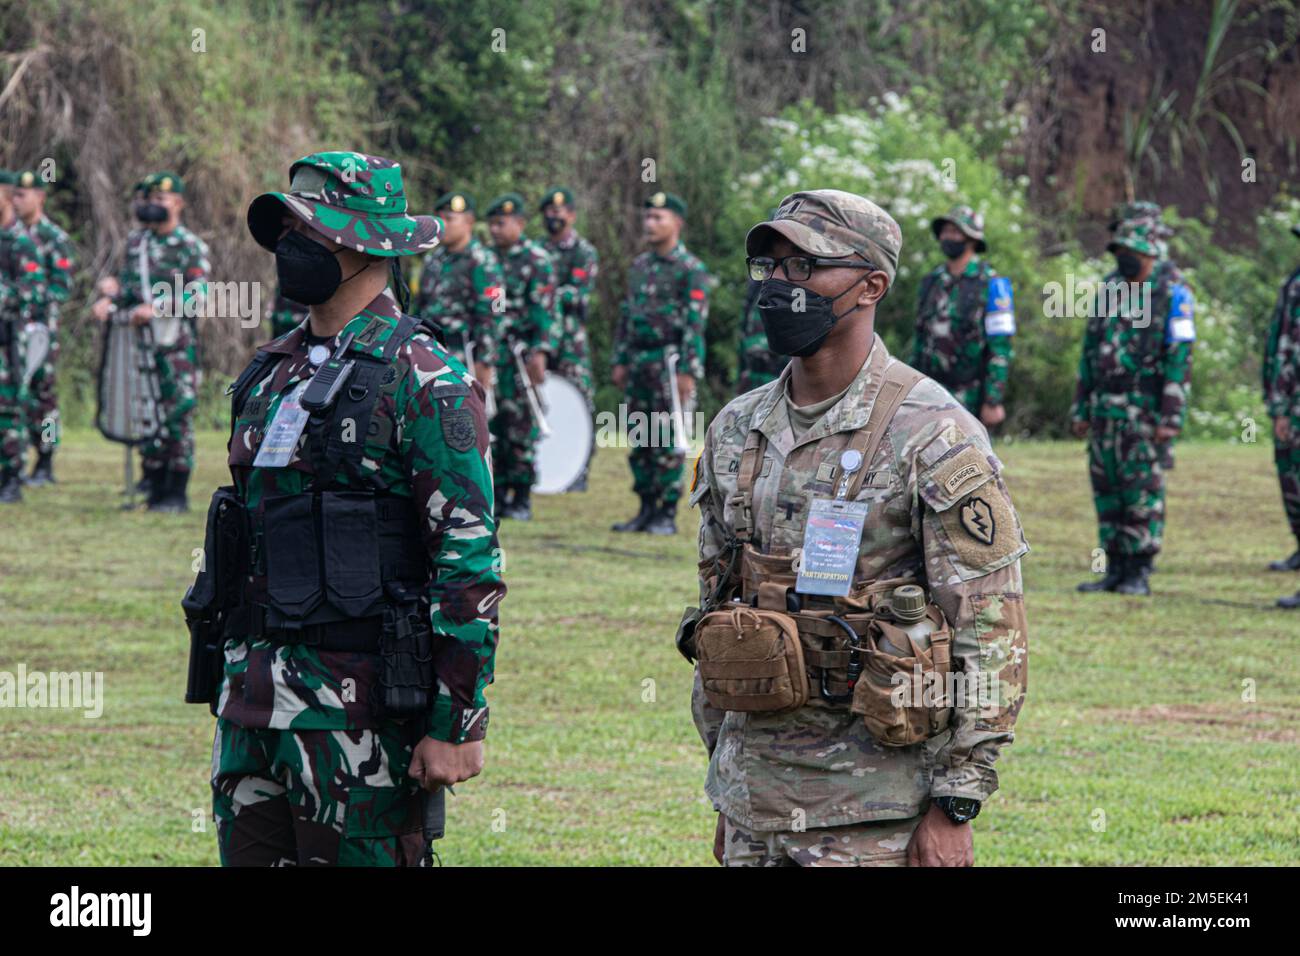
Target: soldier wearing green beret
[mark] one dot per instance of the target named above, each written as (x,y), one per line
(664,313)
(525,318)
(460,284)
(161,257)
(58,263)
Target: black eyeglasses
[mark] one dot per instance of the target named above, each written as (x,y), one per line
(796,268)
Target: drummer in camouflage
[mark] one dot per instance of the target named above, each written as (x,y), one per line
(163,256)
(58,262)
(360,631)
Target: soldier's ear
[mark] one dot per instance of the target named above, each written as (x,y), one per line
(873,289)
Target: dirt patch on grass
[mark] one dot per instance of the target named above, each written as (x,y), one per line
(1241,722)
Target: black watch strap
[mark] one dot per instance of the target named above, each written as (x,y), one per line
(958,809)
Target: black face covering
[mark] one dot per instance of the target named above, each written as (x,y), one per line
(308,272)
(554,225)
(151,212)
(1128,264)
(952,248)
(791,332)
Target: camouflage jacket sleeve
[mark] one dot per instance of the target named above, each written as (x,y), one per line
(997,368)
(1281,372)
(539,306)
(973,542)
(1177,366)
(23,298)
(708,719)
(622,331)
(195,267)
(1082,409)
(695,321)
(128,277)
(489,288)
(444,445)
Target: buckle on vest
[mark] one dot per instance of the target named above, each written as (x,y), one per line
(743,519)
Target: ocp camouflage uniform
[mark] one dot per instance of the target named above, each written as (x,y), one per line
(953,344)
(667,307)
(1134,375)
(758,363)
(178,256)
(528,317)
(812,786)
(43,401)
(457,291)
(285,315)
(22,298)
(576,265)
(1281,376)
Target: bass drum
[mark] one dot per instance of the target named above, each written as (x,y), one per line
(562,455)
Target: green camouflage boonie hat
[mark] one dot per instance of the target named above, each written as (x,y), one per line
(163,182)
(967,220)
(834,224)
(1144,211)
(1139,235)
(557,196)
(508,204)
(352,198)
(456,202)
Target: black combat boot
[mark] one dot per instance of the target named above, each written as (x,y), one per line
(43,470)
(1287,564)
(1135,580)
(638,522)
(1116,566)
(521,507)
(1290,603)
(11,487)
(172,498)
(664,519)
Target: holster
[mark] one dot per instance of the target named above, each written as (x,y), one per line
(214,594)
(406,660)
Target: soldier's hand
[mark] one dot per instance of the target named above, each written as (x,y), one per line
(436,763)
(685,387)
(937,841)
(1282,428)
(107,286)
(1164,433)
(1080,429)
(992,415)
(618,376)
(142,314)
(101,309)
(536,365)
(720,840)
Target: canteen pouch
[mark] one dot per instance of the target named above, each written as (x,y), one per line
(904,700)
(406,660)
(214,593)
(751,660)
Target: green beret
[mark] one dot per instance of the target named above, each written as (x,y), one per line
(456,202)
(29,179)
(508,204)
(7,178)
(163,182)
(557,196)
(667,201)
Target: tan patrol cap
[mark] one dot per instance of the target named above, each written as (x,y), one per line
(834,224)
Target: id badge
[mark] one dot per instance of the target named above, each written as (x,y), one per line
(286,428)
(831,539)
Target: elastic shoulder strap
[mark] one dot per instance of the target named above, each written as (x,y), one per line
(248,378)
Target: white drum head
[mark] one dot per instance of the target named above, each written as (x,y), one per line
(562,456)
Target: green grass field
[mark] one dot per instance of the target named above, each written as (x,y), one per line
(1135,714)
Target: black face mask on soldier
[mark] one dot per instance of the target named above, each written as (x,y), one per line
(151,212)
(1128,264)
(308,272)
(554,225)
(952,248)
(792,331)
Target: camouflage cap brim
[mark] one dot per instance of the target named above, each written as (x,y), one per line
(936,225)
(806,238)
(376,235)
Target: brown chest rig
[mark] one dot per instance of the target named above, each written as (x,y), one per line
(762,647)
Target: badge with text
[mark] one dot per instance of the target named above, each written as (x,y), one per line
(830,546)
(286,428)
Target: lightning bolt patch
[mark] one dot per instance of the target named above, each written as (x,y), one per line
(977,520)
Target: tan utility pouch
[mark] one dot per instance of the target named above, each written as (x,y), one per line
(751,660)
(904,700)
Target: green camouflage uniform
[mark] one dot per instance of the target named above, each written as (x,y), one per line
(22,299)
(576,265)
(43,402)
(178,256)
(456,295)
(1134,375)
(306,769)
(667,307)
(1282,393)
(758,363)
(528,316)
(285,315)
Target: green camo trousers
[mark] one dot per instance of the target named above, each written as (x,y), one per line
(1128,486)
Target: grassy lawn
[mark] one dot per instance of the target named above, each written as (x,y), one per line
(1135,745)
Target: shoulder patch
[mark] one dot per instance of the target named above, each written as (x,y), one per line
(458,428)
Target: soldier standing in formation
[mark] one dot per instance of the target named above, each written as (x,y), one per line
(361,629)
(965,319)
(460,287)
(22,299)
(163,254)
(576,265)
(57,262)
(1282,397)
(855,459)
(666,308)
(528,320)
(1131,399)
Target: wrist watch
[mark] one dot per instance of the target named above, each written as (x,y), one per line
(958,809)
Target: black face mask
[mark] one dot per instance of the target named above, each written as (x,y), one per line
(308,272)
(791,332)
(151,212)
(1128,264)
(554,225)
(952,248)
